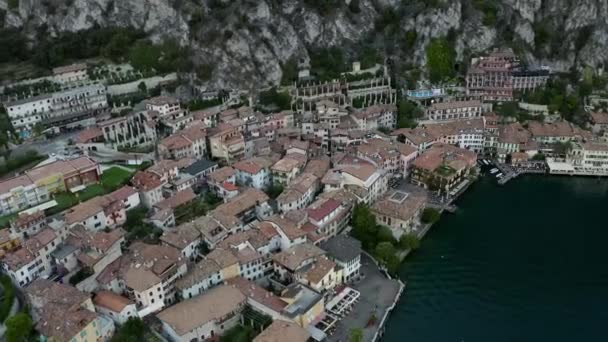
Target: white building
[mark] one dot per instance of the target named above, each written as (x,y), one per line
(378,116)
(451,110)
(204,316)
(164,105)
(299,193)
(70,73)
(33,259)
(345,251)
(254,172)
(366,181)
(202,276)
(117,307)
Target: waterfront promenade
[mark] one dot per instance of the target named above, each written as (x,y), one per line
(378,297)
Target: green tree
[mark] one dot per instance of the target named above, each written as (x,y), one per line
(409,241)
(290,71)
(356,335)
(430,215)
(440,60)
(385,235)
(19,327)
(144,55)
(365,228)
(142,87)
(274,97)
(408,112)
(13,4)
(274,190)
(384,251)
(132,331)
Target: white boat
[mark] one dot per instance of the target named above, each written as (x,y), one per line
(485,162)
(499,175)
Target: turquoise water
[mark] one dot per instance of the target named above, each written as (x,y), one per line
(527,261)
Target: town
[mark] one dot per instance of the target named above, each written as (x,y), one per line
(140,211)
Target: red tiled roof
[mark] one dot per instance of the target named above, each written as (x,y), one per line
(88,135)
(323,210)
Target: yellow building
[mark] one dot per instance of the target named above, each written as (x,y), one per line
(228,263)
(304,304)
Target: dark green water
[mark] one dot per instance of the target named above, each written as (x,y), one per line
(523,262)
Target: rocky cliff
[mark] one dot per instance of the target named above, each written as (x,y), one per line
(249,41)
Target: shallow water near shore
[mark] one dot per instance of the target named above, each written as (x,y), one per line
(521,262)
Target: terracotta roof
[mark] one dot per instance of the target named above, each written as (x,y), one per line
(258,294)
(455,104)
(175,142)
(59,309)
(255,237)
(24,220)
(162,100)
(320,212)
(61,167)
(202,270)
(95,205)
(146,181)
(211,305)
(89,134)
(178,199)
(69,68)
(288,227)
(319,269)
(144,264)
(223,257)
(111,301)
(268,229)
(123,193)
(280,331)
(294,256)
(253,165)
(181,237)
(221,175)
(318,166)
(403,209)
(599,118)
(556,129)
(440,154)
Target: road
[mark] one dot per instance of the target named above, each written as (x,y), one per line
(54,145)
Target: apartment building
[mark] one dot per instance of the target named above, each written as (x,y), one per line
(72,73)
(33,260)
(98,213)
(400,211)
(63,313)
(299,193)
(187,143)
(496,76)
(394,157)
(254,172)
(328,216)
(288,168)
(150,187)
(67,108)
(443,168)
(147,275)
(375,117)
(163,105)
(38,185)
(203,317)
(364,180)
(452,110)
(464,133)
(345,251)
(227,143)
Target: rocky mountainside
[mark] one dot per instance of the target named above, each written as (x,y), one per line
(250,41)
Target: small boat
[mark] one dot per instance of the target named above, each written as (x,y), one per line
(494,170)
(486,162)
(499,175)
